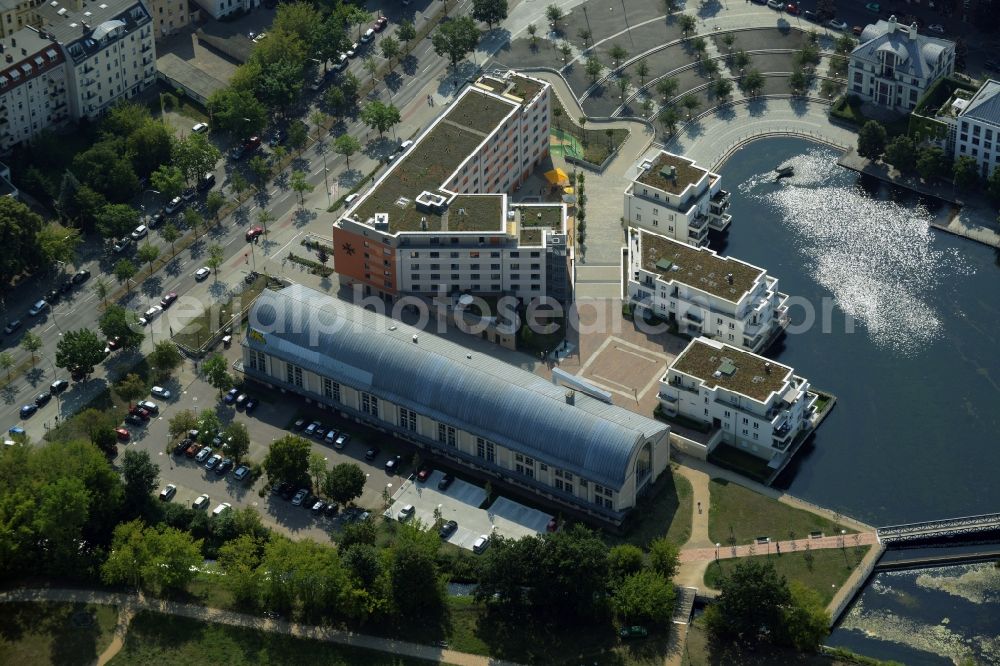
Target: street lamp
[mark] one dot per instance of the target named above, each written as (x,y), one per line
(326,180)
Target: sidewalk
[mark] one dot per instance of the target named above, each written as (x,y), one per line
(136,603)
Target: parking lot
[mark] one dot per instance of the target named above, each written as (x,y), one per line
(461,502)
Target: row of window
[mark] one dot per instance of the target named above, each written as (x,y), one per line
(475,287)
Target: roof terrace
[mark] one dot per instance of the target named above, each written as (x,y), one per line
(684,172)
(702,269)
(732,369)
(534,220)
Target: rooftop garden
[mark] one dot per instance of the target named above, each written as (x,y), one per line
(474,212)
(479,112)
(686,174)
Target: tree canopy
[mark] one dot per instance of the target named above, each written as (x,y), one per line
(489,12)
(871,140)
(288,460)
(456,38)
(79,349)
(19,228)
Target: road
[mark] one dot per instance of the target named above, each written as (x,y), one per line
(82,308)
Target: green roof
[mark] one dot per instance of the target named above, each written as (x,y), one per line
(656,175)
(700,268)
(479,111)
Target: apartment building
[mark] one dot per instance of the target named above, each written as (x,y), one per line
(702,293)
(893,66)
(33,93)
(759,406)
(977,128)
(440,220)
(671,196)
(16,14)
(169,16)
(109,50)
(563,447)
(221,8)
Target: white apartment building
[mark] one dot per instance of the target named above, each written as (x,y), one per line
(439,220)
(977,128)
(16,14)
(704,294)
(563,447)
(893,66)
(33,93)
(671,196)
(169,16)
(221,8)
(760,406)
(109,47)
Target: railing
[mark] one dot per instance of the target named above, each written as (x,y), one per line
(932,528)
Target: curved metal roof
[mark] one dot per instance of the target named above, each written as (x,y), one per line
(450,383)
(103,30)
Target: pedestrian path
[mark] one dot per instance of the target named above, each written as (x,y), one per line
(134,603)
(726,552)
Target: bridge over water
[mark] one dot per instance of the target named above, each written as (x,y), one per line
(933,530)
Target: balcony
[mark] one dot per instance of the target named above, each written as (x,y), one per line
(719,222)
(692,317)
(720,198)
(698,222)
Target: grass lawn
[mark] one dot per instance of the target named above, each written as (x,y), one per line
(701,650)
(746,464)
(827,571)
(163,639)
(749,515)
(54,633)
(596,144)
(529,643)
(822,402)
(665,512)
(205,325)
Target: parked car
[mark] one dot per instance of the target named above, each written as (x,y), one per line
(53,296)
(206,181)
(193,449)
(12,326)
(312,428)
(371,453)
(341,440)
(857,30)
(836,24)
(299,424)
(168,492)
(353,51)
(42,399)
(201,502)
(331,437)
(58,386)
(300,497)
(318,507)
(140,232)
(481,543)
(160,392)
(121,245)
(27,411)
(80,276)
(380,23)
(873,7)
(202,273)
(810,15)
(173,205)
(168,299)
(776,4)
(445,482)
(150,314)
(221,509)
(38,308)
(156,220)
(181,446)
(368,36)
(405,513)
(423,474)
(553,525)
(203,454)
(448,529)
(253,232)
(241,399)
(936,28)
(251,405)
(212,461)
(113,344)
(792,8)
(241,472)
(199,128)
(393,464)
(123,434)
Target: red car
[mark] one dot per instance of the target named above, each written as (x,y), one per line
(141,412)
(123,434)
(792,8)
(380,24)
(552,526)
(114,343)
(253,232)
(168,299)
(423,474)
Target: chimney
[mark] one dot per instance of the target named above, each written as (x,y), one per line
(729,278)
(767,368)
(414,338)
(913,31)
(892,24)
(571,397)
(13,42)
(10,58)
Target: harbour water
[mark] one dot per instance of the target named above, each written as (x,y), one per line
(902,323)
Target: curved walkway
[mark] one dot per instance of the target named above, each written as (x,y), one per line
(132,603)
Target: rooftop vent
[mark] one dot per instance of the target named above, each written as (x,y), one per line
(727,367)
(423,224)
(414,338)
(381,221)
(571,397)
(767,368)
(461,211)
(664,264)
(729,278)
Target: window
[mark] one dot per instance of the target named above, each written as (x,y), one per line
(369,404)
(408,419)
(293,375)
(565,486)
(256,361)
(446,434)
(486,449)
(331,389)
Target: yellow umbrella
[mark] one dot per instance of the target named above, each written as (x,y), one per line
(557,177)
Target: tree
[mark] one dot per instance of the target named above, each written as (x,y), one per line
(239,185)
(261,169)
(149,146)
(263,218)
(645,596)
(752,82)
(390,49)
(299,182)
(722,88)
(532,34)
(667,88)
(741,60)
(993,183)
(901,152)
(380,116)
(335,99)
(195,155)
(170,234)
(165,357)
(623,81)
(154,558)
(798,81)
(729,39)
(690,102)
(585,34)
(214,202)
(826,9)
(216,255)
(623,561)
(148,254)
(750,604)
(664,557)
(593,68)
(669,117)
(566,50)
(554,14)
(168,180)
(642,71)
(489,12)
(216,371)
(239,559)
(117,322)
(298,134)
(57,243)
(237,441)
(131,388)
(456,38)
(965,172)
(116,220)
(416,588)
(344,483)
(317,468)
(6,362)
(79,349)
(871,140)
(406,31)
(710,67)
(183,421)
(357,16)
(346,145)
(617,53)
(105,168)
(237,111)
(208,425)
(687,23)
(140,475)
(288,460)
(699,45)
(31,343)
(806,622)
(371,66)
(125,270)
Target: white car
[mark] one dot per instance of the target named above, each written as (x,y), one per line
(368,36)
(199,128)
(201,502)
(776,4)
(481,543)
(140,232)
(150,314)
(936,27)
(405,513)
(202,273)
(222,508)
(256,40)
(836,24)
(121,245)
(353,51)
(150,407)
(38,308)
(174,205)
(160,392)
(168,492)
